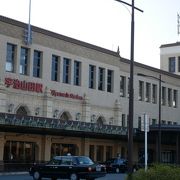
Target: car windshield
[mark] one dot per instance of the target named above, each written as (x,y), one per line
(84,160)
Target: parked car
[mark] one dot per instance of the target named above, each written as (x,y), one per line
(116,165)
(71,167)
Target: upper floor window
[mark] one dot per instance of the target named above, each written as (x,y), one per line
(10,57)
(23,69)
(179,64)
(67,71)
(55,68)
(77,73)
(109,80)
(172,65)
(175,98)
(37,64)
(169,97)
(123,120)
(92,76)
(128,86)
(163,101)
(122,86)
(148,92)
(101,79)
(154,93)
(139,122)
(141,90)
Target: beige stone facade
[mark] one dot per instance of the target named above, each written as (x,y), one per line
(45,118)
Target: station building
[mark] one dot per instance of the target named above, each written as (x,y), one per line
(59,95)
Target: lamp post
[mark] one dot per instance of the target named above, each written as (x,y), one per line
(131,89)
(159,122)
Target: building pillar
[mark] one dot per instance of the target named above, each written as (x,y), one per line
(104,154)
(117,113)
(3,98)
(95,152)
(46,148)
(86,109)
(47,104)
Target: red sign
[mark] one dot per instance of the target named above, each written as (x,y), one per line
(65,94)
(23,85)
(37,87)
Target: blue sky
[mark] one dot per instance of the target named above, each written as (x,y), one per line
(105,23)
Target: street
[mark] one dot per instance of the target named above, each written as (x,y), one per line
(27,177)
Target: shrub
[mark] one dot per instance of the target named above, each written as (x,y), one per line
(157,172)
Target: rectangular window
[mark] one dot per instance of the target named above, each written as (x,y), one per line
(175,98)
(139,122)
(169,97)
(101,79)
(77,73)
(141,90)
(10,57)
(109,80)
(179,64)
(24,61)
(123,120)
(122,86)
(37,64)
(172,64)
(163,100)
(55,68)
(109,152)
(66,71)
(154,93)
(128,86)
(92,76)
(148,92)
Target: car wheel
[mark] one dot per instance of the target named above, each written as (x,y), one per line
(36,175)
(117,170)
(74,177)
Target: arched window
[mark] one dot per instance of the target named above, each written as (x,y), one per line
(100,120)
(21,111)
(65,116)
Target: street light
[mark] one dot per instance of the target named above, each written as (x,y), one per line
(131,89)
(159,122)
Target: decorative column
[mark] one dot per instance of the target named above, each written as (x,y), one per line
(86,109)
(3,96)
(46,148)
(117,113)
(47,103)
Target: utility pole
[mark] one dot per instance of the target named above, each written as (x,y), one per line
(131,89)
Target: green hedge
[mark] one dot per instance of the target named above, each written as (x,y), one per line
(157,172)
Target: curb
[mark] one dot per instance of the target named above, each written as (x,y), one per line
(13,173)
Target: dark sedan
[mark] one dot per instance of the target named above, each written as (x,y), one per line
(71,167)
(116,165)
